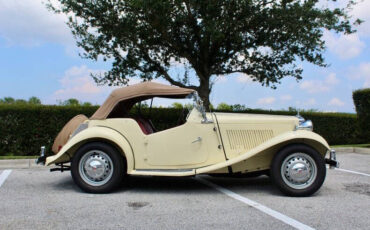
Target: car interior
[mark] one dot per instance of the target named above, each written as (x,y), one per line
(133,109)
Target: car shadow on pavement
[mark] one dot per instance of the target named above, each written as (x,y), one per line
(180,185)
(66,184)
(261,184)
(148,184)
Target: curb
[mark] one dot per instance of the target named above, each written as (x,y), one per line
(352,150)
(20,164)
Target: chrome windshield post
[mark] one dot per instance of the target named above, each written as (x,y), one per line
(198,104)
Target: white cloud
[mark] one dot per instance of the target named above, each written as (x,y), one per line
(244,78)
(286,97)
(345,46)
(317,86)
(331,79)
(314,86)
(29,23)
(361,72)
(361,11)
(266,100)
(221,79)
(180,64)
(311,102)
(336,102)
(77,83)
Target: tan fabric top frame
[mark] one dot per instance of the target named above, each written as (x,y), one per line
(131,94)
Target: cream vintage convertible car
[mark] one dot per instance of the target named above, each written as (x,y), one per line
(108,146)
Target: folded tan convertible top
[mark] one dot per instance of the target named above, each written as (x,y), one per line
(136,93)
(67,130)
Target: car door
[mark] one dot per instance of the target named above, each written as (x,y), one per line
(190,145)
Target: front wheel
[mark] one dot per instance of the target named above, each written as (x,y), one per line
(97,168)
(298,170)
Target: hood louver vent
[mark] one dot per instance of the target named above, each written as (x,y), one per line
(247,139)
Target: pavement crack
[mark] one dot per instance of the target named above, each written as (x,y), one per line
(137,204)
(360,188)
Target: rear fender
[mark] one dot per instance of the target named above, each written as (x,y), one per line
(97,133)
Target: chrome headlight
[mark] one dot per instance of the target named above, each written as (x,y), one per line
(305,125)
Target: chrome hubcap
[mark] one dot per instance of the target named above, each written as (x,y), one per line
(96,168)
(298,170)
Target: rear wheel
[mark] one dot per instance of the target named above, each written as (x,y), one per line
(97,168)
(298,170)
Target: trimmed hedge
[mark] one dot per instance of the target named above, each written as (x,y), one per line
(23,129)
(361,98)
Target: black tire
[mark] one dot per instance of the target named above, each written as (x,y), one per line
(290,156)
(115,164)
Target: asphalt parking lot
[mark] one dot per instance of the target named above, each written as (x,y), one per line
(38,199)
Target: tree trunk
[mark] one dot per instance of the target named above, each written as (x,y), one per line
(204,91)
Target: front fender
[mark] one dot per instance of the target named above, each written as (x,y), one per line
(94,134)
(300,136)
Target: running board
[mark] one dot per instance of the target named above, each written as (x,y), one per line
(163,172)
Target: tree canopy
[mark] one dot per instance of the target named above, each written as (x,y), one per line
(263,39)
(12,101)
(34,101)
(74,102)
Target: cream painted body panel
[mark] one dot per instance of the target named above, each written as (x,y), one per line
(91,134)
(299,136)
(185,146)
(171,148)
(242,132)
(260,155)
(245,142)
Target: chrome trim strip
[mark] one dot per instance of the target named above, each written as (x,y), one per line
(164,170)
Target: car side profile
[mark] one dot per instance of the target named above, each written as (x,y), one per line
(102,150)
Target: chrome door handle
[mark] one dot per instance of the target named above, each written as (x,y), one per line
(197,140)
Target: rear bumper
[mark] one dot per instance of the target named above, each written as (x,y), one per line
(332,160)
(41,160)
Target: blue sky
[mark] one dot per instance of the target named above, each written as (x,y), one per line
(38,57)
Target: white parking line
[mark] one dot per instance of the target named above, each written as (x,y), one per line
(286,219)
(350,171)
(4,175)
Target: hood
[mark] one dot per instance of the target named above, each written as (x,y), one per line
(240,118)
(243,132)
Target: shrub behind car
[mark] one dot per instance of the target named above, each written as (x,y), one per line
(24,128)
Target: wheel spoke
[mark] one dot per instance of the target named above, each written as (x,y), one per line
(298,170)
(96,168)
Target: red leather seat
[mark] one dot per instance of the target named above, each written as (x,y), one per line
(145,126)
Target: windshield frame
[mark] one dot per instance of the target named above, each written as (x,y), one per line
(198,105)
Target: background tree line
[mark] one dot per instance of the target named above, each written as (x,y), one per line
(176,105)
(36,101)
